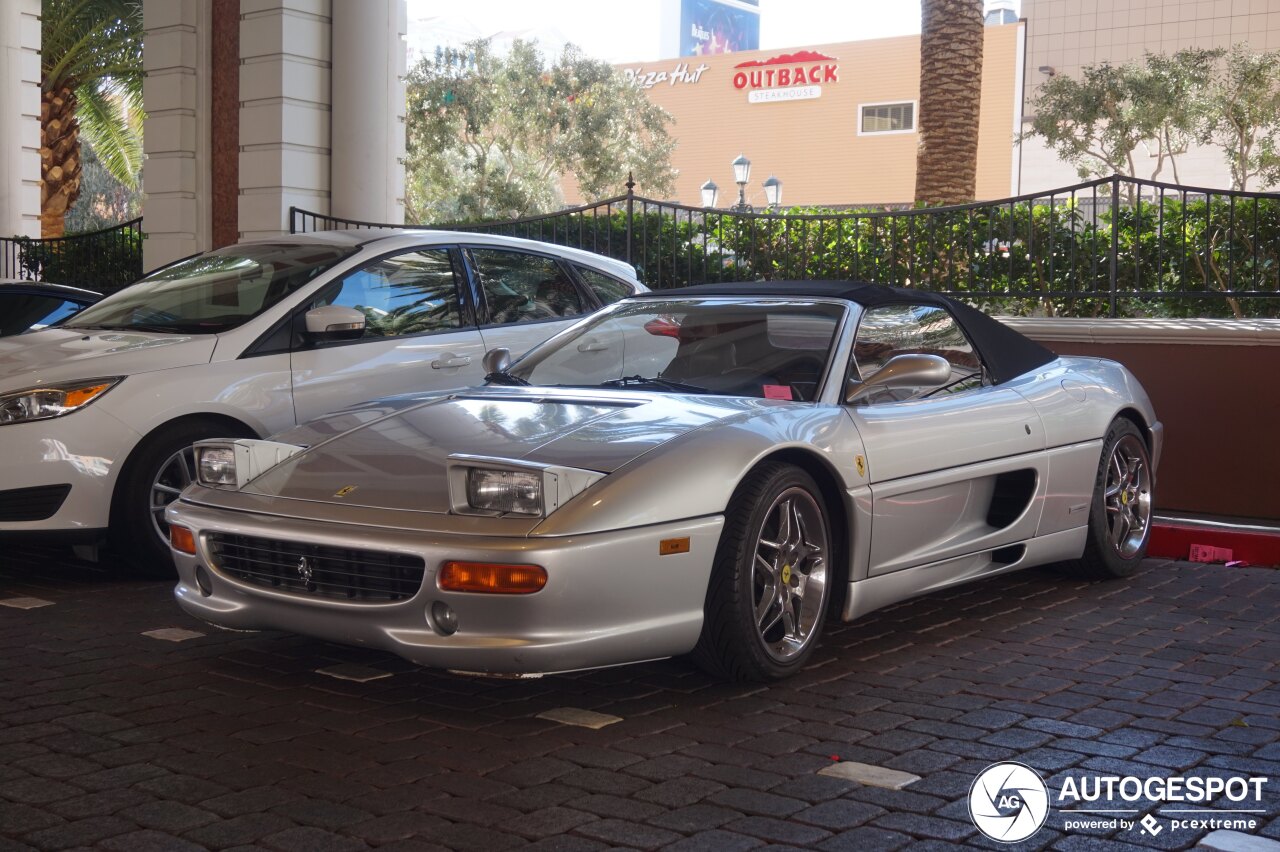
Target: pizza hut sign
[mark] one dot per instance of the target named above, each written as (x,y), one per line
(789,77)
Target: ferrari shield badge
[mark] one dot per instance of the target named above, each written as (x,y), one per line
(861,464)
(347,489)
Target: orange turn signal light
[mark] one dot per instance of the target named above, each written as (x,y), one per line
(79,396)
(491,578)
(182,539)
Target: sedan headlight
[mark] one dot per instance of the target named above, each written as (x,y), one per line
(52,400)
(231,464)
(479,485)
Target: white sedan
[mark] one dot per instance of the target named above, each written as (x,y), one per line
(98,415)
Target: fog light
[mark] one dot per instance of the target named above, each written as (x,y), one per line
(204,581)
(445,619)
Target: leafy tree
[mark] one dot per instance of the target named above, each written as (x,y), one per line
(104,202)
(91,81)
(491,136)
(1097,122)
(951,38)
(1245,116)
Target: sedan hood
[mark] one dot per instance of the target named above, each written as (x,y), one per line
(64,354)
(393,454)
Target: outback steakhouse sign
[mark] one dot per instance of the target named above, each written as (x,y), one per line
(789,77)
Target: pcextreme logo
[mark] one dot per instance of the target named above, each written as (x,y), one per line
(1009,802)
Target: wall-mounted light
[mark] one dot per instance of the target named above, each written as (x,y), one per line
(1048,70)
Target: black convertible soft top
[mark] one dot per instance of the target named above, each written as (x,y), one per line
(1005,352)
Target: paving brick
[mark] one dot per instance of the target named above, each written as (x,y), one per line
(756,802)
(311,839)
(625,833)
(174,817)
(865,838)
(715,841)
(693,818)
(681,791)
(83,832)
(839,815)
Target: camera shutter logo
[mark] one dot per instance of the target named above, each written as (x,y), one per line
(1008,802)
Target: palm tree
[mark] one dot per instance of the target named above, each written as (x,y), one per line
(91,81)
(950,94)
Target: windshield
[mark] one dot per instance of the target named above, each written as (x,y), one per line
(212,292)
(774,349)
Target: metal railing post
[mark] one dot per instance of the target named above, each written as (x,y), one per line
(1115,242)
(631,209)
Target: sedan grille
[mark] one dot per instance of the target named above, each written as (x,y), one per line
(32,504)
(339,573)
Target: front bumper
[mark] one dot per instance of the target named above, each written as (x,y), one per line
(84,450)
(609,599)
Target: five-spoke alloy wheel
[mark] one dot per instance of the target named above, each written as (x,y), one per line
(1120,515)
(772,578)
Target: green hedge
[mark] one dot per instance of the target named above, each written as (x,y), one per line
(1195,257)
(105,261)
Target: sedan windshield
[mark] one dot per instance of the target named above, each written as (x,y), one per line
(774,349)
(212,292)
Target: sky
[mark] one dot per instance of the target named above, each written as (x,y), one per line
(630,31)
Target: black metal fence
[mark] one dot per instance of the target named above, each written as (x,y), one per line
(104,261)
(1111,247)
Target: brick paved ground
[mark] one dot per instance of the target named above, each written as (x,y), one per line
(115,740)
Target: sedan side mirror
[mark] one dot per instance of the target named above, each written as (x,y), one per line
(334,322)
(496,360)
(900,371)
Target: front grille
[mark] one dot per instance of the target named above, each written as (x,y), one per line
(32,504)
(339,573)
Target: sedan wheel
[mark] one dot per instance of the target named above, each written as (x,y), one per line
(155,474)
(772,578)
(1120,515)
(175,474)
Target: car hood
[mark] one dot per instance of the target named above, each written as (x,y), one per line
(63,354)
(392,454)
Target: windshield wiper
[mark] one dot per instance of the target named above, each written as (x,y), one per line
(653,381)
(502,377)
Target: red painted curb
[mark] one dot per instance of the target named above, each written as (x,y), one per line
(1252,547)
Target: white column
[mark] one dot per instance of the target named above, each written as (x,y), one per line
(176,206)
(367,170)
(284,111)
(20,125)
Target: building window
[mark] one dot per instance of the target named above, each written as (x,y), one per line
(888,118)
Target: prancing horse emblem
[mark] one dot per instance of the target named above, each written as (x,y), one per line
(304,569)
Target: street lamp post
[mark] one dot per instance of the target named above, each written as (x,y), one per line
(709,194)
(773,192)
(741,174)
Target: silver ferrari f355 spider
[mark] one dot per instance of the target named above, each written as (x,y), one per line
(708,471)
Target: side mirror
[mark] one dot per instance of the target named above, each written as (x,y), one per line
(334,322)
(900,371)
(496,360)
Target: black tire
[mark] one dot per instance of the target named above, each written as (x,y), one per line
(136,540)
(763,623)
(1120,513)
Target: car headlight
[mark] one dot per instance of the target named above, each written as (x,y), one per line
(52,400)
(231,464)
(479,485)
(514,491)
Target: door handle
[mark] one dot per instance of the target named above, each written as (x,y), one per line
(592,345)
(448,360)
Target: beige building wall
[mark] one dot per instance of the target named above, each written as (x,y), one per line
(1066,35)
(813,145)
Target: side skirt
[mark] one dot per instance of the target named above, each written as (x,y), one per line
(874,593)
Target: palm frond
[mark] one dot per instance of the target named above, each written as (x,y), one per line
(111,121)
